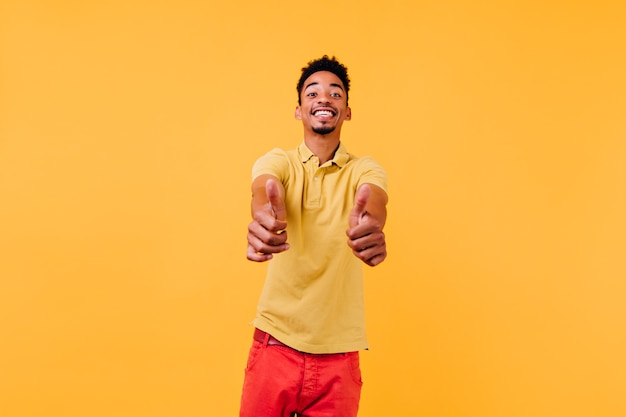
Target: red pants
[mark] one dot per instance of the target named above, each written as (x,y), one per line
(281,382)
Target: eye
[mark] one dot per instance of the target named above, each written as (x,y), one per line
(336,95)
(311,94)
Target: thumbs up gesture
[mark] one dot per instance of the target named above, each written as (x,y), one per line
(365,225)
(266,232)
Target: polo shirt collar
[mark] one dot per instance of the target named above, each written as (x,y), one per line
(340,159)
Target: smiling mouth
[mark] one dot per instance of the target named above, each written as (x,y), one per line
(323,113)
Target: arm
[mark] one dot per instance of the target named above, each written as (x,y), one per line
(266,232)
(366,222)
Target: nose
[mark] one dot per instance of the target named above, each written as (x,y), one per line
(323,98)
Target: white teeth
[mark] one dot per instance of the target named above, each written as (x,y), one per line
(323,113)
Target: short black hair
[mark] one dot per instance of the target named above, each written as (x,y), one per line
(324,64)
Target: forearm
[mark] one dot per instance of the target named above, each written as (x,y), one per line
(376,205)
(266,231)
(260,199)
(366,221)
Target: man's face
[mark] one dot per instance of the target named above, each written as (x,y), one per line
(324,103)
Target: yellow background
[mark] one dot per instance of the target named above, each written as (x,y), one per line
(127,134)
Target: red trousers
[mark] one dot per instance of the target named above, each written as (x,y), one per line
(281,382)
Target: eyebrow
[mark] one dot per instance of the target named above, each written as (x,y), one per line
(316,83)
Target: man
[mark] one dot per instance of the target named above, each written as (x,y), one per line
(318,212)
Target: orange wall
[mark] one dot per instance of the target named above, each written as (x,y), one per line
(127,134)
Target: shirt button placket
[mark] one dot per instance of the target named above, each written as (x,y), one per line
(318,177)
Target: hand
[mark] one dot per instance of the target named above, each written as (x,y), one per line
(266,232)
(365,233)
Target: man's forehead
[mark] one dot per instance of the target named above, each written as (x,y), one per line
(323,77)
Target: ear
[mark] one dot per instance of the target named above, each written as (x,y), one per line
(298,113)
(349,114)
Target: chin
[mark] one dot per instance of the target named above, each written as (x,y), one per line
(325,130)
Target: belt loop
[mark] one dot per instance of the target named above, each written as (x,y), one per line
(266,340)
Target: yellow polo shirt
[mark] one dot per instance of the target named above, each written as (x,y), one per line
(312,299)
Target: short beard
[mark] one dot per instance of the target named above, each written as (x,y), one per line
(325,130)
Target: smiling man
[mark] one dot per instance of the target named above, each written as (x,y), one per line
(318,214)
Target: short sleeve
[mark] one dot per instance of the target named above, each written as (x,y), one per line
(275,162)
(371,172)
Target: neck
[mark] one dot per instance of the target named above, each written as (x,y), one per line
(323,146)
